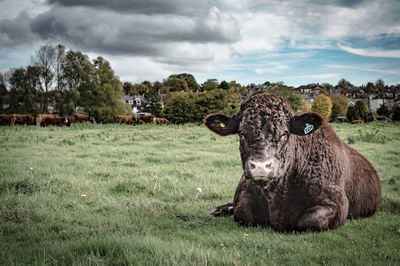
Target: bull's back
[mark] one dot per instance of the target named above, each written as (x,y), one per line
(363,188)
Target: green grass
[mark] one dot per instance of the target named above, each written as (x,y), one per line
(125,195)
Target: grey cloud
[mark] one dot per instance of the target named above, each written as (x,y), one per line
(182,7)
(133,34)
(14,32)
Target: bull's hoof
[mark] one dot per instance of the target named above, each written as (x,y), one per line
(222,211)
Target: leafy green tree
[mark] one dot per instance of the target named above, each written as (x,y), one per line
(361,108)
(180,107)
(351,114)
(339,105)
(210,84)
(383,110)
(370,88)
(26,95)
(128,88)
(360,111)
(296,102)
(322,105)
(174,83)
(396,113)
(190,80)
(343,83)
(78,73)
(105,96)
(224,85)
(327,86)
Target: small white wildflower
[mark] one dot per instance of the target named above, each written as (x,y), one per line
(199,189)
(31,168)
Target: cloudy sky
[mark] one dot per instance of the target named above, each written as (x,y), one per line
(250,41)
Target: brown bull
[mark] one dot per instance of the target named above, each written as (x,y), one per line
(297,173)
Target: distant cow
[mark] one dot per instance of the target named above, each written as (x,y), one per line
(56,121)
(78,118)
(51,120)
(298,174)
(22,119)
(16,119)
(162,121)
(40,118)
(125,119)
(5,119)
(357,122)
(149,119)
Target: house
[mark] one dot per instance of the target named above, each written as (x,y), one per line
(375,103)
(137,102)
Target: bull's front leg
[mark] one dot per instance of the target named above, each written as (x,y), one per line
(223,210)
(327,214)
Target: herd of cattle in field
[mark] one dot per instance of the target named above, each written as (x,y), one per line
(57,120)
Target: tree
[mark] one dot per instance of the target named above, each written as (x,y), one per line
(339,105)
(26,95)
(306,106)
(322,105)
(180,107)
(210,84)
(327,86)
(78,73)
(190,80)
(383,110)
(360,111)
(224,85)
(3,91)
(396,113)
(44,58)
(380,85)
(59,76)
(173,83)
(351,114)
(296,102)
(370,88)
(106,94)
(343,83)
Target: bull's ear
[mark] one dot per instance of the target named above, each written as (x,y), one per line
(221,124)
(306,124)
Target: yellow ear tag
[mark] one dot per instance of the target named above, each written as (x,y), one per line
(222,125)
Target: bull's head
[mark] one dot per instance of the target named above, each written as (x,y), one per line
(266,128)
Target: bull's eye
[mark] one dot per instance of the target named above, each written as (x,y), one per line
(241,135)
(284,137)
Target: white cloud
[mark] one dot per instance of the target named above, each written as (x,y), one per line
(373,52)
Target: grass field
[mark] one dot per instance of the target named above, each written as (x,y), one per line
(141,195)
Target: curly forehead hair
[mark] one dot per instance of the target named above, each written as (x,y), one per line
(267,105)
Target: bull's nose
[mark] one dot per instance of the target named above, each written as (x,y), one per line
(259,168)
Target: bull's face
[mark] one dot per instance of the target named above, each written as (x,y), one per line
(265,126)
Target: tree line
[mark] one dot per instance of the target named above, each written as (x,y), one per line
(73,83)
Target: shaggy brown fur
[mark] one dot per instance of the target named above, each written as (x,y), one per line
(312,181)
